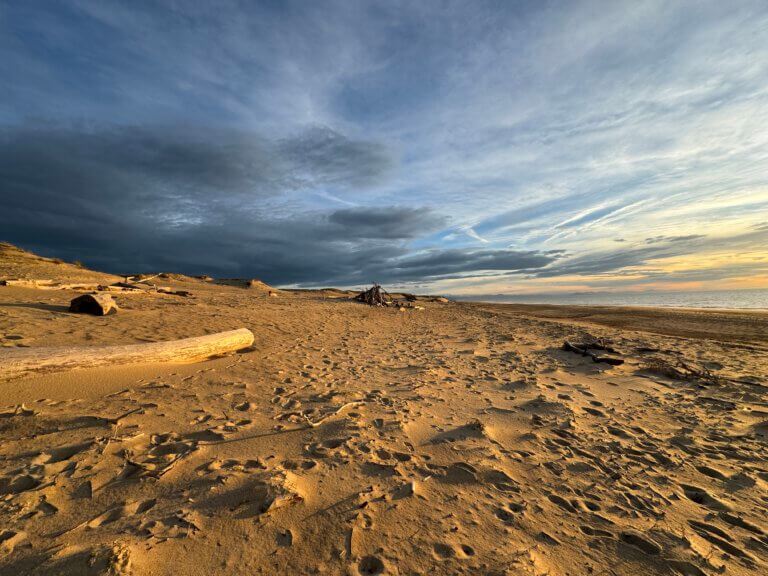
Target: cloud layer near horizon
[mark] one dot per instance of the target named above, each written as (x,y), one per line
(476,149)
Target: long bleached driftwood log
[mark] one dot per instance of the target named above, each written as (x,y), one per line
(21,361)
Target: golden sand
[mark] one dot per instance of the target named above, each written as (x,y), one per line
(457,439)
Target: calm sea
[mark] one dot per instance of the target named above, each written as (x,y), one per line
(752,299)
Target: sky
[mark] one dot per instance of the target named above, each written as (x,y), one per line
(464,148)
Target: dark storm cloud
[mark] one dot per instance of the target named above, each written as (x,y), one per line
(323,155)
(388,222)
(197,162)
(127,199)
(140,197)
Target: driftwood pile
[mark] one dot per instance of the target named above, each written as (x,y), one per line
(600,344)
(375,296)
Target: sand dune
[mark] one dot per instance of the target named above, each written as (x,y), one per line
(457,439)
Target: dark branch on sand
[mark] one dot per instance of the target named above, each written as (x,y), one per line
(586,350)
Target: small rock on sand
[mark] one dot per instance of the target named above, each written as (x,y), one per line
(96,304)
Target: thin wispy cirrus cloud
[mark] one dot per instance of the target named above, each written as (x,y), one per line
(458,147)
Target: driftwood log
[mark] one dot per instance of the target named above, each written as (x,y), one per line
(20,361)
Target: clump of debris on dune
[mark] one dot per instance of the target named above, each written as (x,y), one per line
(378,296)
(375,296)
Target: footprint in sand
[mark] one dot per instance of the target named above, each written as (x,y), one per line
(15,340)
(702,497)
(596,532)
(741,523)
(161,454)
(306,464)
(18,484)
(284,539)
(180,525)
(641,541)
(43,508)
(126,510)
(10,539)
(62,453)
(512,512)
(501,481)
(562,502)
(233,465)
(371,566)
(712,472)
(719,538)
(441,551)
(327,448)
(457,473)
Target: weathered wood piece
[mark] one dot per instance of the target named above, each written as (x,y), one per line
(25,283)
(129,286)
(20,361)
(171,291)
(584,350)
(96,304)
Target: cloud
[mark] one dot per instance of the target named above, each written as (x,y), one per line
(525,215)
(634,260)
(196,161)
(386,222)
(131,199)
(225,139)
(320,155)
(589,216)
(657,239)
(602,262)
(170,176)
(459,263)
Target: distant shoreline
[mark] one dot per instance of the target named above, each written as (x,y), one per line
(662,307)
(747,299)
(724,325)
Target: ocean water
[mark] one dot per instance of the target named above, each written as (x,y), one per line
(731,299)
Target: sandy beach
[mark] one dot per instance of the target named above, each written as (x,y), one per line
(448,438)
